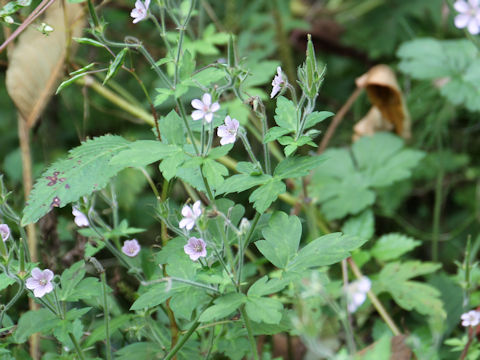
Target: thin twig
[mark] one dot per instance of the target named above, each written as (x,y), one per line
(338,119)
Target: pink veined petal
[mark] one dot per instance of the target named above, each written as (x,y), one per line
(474,3)
(197,114)
(229,139)
(209,117)
(275,90)
(473,26)
(187,211)
(279,71)
(235,124)
(228,121)
(462,20)
(48,274)
(197,104)
(187,224)
(222,131)
(138,19)
(147,4)
(39,291)
(188,250)
(31,283)
(197,209)
(461,6)
(215,107)
(48,288)
(37,273)
(207,99)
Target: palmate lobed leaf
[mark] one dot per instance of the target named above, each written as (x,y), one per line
(86,170)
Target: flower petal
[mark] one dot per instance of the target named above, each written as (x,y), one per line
(207,99)
(462,20)
(31,283)
(461,6)
(48,275)
(197,209)
(215,107)
(197,104)
(37,273)
(209,117)
(473,26)
(197,114)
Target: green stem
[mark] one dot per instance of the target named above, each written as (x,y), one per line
(437,207)
(93,13)
(78,349)
(106,316)
(248,327)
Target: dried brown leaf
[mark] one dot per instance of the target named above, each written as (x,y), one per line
(37,61)
(385,94)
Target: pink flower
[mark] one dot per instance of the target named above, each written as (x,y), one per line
(80,218)
(471,318)
(4,232)
(141,11)
(469,15)
(277,83)
(190,215)
(131,247)
(40,282)
(195,248)
(205,108)
(228,132)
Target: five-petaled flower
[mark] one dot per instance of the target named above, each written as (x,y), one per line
(277,83)
(190,215)
(357,293)
(195,248)
(205,108)
(471,318)
(131,247)
(40,282)
(4,232)
(469,15)
(141,11)
(228,132)
(80,218)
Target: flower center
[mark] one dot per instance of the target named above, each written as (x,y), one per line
(43,282)
(198,248)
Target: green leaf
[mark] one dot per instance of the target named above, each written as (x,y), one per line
(143,152)
(264,309)
(170,165)
(214,172)
(98,334)
(326,250)
(224,306)
(343,188)
(31,322)
(266,194)
(297,166)
(248,168)
(241,182)
(362,225)
(139,350)
(86,170)
(274,133)
(315,117)
(263,286)
(187,65)
(171,129)
(88,288)
(392,246)
(115,65)
(70,279)
(456,61)
(394,278)
(282,237)
(220,151)
(154,296)
(286,114)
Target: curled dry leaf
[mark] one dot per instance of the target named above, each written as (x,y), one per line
(36,62)
(386,96)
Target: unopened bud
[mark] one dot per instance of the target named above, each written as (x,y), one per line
(8,19)
(45,29)
(244,225)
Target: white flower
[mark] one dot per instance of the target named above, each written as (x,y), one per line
(471,318)
(469,15)
(4,232)
(80,218)
(277,82)
(40,282)
(141,11)
(190,215)
(205,108)
(228,132)
(357,293)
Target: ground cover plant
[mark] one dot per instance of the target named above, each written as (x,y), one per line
(206,179)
